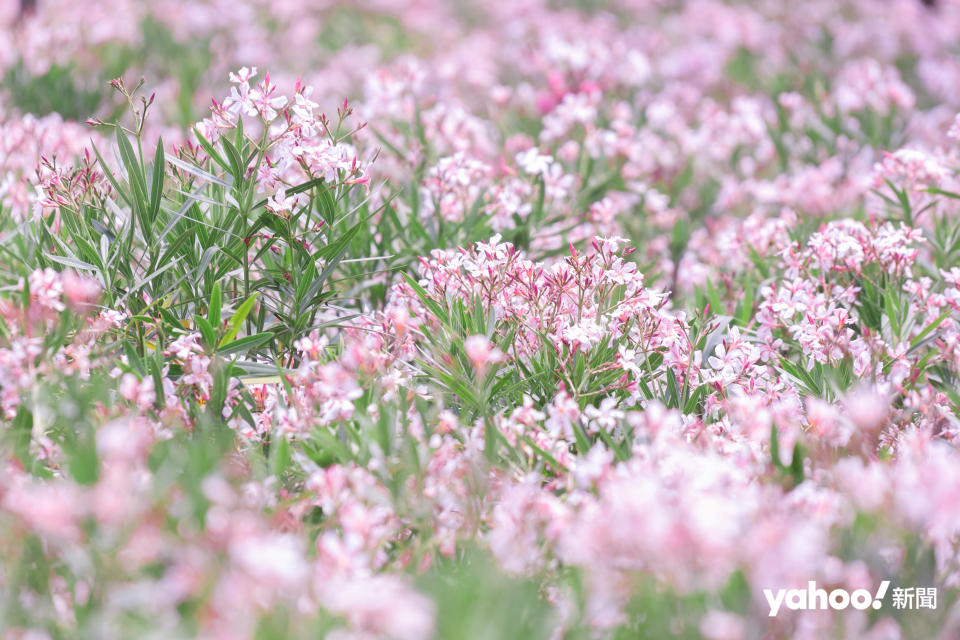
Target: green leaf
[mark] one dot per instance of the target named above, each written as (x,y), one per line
(236,321)
(211,150)
(129,159)
(428,302)
(713,297)
(133,358)
(775,446)
(83,461)
(113,180)
(156,370)
(279,454)
(338,249)
(199,172)
(796,464)
(71,262)
(543,454)
(928,330)
(216,301)
(156,190)
(206,331)
(583,443)
(746,310)
(619,451)
(246,343)
(22,430)
(237,167)
(290,191)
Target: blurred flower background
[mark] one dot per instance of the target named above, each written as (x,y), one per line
(415,319)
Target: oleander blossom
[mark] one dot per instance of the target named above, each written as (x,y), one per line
(408,320)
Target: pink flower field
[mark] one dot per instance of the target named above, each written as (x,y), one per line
(503,320)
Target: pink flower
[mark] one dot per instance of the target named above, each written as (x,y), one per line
(867,407)
(721,625)
(482,353)
(281,204)
(81,292)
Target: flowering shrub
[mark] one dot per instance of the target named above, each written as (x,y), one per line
(478,320)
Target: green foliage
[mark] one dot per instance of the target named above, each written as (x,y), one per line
(55,91)
(475,601)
